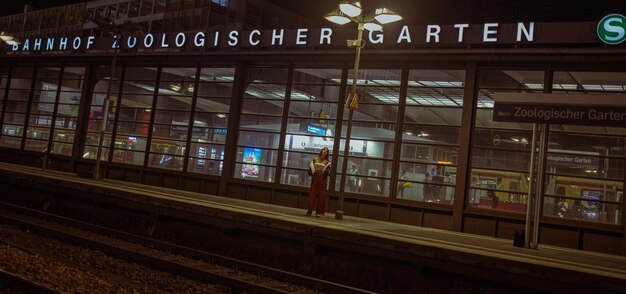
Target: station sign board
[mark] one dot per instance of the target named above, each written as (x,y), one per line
(561,108)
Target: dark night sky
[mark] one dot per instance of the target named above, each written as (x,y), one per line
(431,11)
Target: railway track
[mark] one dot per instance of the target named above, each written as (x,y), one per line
(14,283)
(240,276)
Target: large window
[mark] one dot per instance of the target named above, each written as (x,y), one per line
(16,107)
(171,118)
(135,110)
(430,135)
(501,151)
(42,109)
(373,132)
(96,112)
(311,121)
(210,122)
(259,127)
(66,115)
(585,165)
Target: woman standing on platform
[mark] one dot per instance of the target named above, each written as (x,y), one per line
(319,168)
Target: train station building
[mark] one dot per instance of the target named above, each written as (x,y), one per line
(235,98)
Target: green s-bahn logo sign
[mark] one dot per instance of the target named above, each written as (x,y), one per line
(612,29)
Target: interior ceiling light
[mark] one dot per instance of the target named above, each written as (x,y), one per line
(385,15)
(175,87)
(336,16)
(350,8)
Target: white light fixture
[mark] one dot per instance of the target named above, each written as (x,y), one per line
(221,115)
(9,39)
(385,15)
(336,16)
(175,87)
(350,8)
(5,37)
(373,26)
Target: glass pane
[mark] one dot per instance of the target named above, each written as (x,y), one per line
(10,141)
(323,76)
(255,172)
(295,177)
(128,156)
(130,143)
(316,126)
(166,161)
(266,75)
(215,90)
(62,149)
(64,136)
(174,102)
(213,105)
(259,123)
(209,135)
(265,91)
(14,106)
(135,114)
(253,155)
(433,115)
(131,128)
(592,211)
(172,117)
(371,149)
(36,145)
(498,159)
(315,93)
(38,133)
(203,119)
(205,166)
(178,132)
(371,131)
(430,154)
(424,134)
(263,107)
(141,73)
(374,112)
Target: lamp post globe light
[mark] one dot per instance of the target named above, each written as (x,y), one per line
(351,11)
(9,39)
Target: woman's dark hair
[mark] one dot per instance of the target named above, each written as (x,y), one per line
(326,156)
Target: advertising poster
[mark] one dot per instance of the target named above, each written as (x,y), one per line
(251,156)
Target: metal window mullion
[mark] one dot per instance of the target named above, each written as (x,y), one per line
(234,117)
(5,99)
(31,95)
(117,110)
(192,117)
(395,165)
(338,126)
(468,117)
(84,110)
(283,125)
(54,112)
(541,173)
(155,97)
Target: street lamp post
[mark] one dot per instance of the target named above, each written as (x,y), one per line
(118,32)
(351,11)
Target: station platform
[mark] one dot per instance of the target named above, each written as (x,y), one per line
(370,254)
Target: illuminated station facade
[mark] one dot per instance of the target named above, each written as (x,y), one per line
(234,98)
